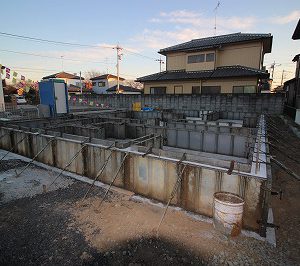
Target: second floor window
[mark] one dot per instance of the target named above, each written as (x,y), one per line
(210,57)
(198,58)
(158,90)
(211,89)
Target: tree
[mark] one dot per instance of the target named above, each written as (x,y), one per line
(92,73)
(133,84)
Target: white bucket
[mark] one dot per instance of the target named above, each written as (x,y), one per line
(228,213)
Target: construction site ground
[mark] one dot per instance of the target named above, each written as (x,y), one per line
(58,227)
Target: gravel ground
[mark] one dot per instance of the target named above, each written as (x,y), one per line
(49,229)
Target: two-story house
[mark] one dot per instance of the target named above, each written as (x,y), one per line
(102,83)
(231,63)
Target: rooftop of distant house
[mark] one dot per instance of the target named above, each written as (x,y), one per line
(106,76)
(221,40)
(124,89)
(63,75)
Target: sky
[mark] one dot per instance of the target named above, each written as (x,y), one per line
(141,27)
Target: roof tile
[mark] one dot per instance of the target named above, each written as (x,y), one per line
(215,41)
(220,72)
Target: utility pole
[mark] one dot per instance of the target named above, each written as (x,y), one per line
(282,78)
(160,63)
(273,68)
(118,48)
(282,75)
(80,83)
(216,9)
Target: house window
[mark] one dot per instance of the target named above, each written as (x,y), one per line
(101,84)
(178,89)
(244,89)
(211,89)
(94,83)
(249,89)
(196,90)
(210,57)
(158,90)
(238,89)
(198,58)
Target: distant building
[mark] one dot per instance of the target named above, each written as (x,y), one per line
(292,86)
(124,90)
(70,79)
(231,63)
(72,89)
(102,83)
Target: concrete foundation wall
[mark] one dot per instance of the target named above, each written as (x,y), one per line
(248,103)
(91,132)
(195,139)
(151,176)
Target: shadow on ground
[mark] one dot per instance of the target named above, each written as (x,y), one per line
(34,231)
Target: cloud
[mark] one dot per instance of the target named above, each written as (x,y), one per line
(189,25)
(195,19)
(293,16)
(157,39)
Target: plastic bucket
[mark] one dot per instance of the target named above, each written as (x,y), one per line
(228,213)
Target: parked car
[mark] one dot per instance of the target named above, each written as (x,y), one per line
(21,100)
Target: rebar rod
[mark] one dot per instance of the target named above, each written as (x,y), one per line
(13,148)
(26,166)
(98,175)
(4,135)
(68,164)
(178,181)
(113,179)
(286,169)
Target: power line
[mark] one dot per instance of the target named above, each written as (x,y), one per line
(33,70)
(23,37)
(28,38)
(139,54)
(53,57)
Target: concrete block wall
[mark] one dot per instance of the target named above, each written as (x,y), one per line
(248,103)
(151,176)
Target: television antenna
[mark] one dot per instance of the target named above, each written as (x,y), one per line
(215,10)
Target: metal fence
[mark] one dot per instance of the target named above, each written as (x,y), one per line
(16,113)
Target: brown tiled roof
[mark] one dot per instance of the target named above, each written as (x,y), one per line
(64,75)
(124,88)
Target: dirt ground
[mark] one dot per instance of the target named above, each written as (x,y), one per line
(287,210)
(59,228)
